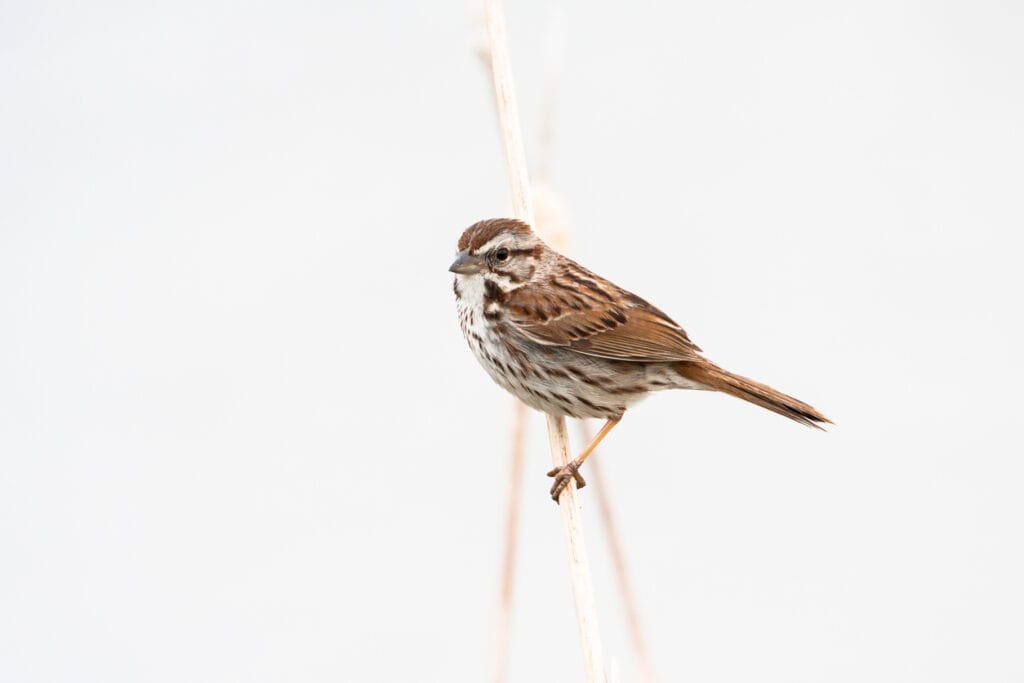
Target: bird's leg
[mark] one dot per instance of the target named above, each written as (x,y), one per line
(563,474)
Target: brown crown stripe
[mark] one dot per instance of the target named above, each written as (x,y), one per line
(482,232)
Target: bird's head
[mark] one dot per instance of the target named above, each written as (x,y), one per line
(501,250)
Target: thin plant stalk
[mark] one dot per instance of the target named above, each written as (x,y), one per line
(503,628)
(515,156)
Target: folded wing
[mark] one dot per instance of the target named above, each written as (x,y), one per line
(588,314)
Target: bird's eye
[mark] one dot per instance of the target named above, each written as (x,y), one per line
(501,254)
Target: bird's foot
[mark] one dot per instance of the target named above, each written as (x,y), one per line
(562,476)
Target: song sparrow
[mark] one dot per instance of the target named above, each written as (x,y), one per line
(570,343)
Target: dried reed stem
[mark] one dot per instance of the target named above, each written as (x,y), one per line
(579,571)
(500,648)
(604,505)
(508,114)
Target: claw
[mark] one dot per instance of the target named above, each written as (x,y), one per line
(562,476)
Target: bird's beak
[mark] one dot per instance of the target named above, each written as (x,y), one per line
(466,264)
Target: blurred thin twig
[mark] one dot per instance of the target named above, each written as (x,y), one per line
(611,531)
(499,661)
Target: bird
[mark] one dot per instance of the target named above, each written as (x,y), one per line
(569,343)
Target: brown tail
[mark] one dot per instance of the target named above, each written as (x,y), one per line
(710,375)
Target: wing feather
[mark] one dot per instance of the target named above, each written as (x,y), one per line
(588,314)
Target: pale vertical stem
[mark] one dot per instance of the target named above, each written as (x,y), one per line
(579,571)
(499,663)
(579,568)
(508,114)
(611,530)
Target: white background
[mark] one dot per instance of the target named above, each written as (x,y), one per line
(242,439)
